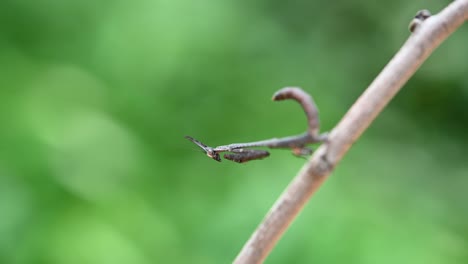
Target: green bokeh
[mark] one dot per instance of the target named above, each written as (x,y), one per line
(96,96)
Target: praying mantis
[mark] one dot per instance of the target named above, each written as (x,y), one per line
(237,155)
(242,152)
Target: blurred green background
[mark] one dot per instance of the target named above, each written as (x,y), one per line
(96,97)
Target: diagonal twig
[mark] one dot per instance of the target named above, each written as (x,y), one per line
(427,34)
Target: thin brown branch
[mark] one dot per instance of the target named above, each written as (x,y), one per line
(427,36)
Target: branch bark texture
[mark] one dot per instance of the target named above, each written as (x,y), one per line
(403,65)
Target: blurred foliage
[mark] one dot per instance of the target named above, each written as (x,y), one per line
(96,97)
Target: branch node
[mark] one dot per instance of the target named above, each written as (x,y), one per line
(418,19)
